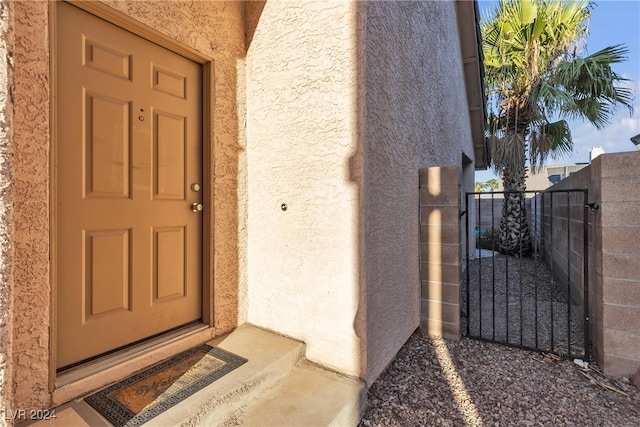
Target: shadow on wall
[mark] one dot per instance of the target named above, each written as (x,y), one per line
(440,250)
(253,11)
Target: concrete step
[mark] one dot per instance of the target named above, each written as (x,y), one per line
(310,396)
(271,358)
(275,387)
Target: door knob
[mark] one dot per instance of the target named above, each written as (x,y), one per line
(197,207)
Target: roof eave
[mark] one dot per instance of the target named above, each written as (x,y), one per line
(472,59)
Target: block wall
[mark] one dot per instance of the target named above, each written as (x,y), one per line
(440,251)
(613,258)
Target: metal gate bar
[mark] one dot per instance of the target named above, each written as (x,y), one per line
(528,312)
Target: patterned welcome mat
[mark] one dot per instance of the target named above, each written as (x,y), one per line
(135,400)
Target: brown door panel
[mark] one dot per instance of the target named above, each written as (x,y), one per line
(129,146)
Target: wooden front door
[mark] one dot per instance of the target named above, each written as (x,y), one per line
(128,170)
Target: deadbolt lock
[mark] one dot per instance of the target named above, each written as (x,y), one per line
(197,207)
(195,187)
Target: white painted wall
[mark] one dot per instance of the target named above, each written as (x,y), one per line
(416,116)
(346,101)
(302,136)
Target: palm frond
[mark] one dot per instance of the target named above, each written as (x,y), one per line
(594,85)
(507,152)
(535,70)
(549,98)
(596,112)
(549,139)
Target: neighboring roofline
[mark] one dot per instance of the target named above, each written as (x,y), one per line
(472,61)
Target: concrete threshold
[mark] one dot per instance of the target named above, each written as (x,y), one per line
(276,387)
(309,396)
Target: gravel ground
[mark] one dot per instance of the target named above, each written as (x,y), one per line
(437,382)
(534,298)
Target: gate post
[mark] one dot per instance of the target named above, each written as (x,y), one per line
(440,251)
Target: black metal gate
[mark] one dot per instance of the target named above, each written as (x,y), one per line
(536,299)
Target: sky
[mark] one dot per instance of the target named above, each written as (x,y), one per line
(612,22)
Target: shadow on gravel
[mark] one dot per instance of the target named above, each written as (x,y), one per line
(422,386)
(437,382)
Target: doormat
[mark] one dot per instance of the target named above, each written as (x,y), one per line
(138,398)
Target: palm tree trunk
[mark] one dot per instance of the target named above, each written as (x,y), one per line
(514,237)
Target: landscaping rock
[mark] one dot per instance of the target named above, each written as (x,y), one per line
(437,382)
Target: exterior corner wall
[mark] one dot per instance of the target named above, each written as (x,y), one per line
(416,116)
(440,251)
(6,209)
(303,132)
(614,278)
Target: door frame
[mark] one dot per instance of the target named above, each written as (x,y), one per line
(130,24)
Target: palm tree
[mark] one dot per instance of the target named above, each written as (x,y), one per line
(536,79)
(480,186)
(492,184)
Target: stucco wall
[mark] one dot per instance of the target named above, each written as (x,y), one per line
(416,116)
(215,29)
(303,143)
(31,309)
(346,102)
(6,211)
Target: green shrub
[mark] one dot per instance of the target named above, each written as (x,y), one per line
(487,239)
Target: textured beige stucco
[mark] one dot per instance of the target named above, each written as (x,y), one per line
(6,210)
(328,107)
(302,128)
(416,116)
(327,84)
(31,207)
(215,29)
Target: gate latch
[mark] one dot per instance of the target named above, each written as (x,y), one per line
(593,207)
